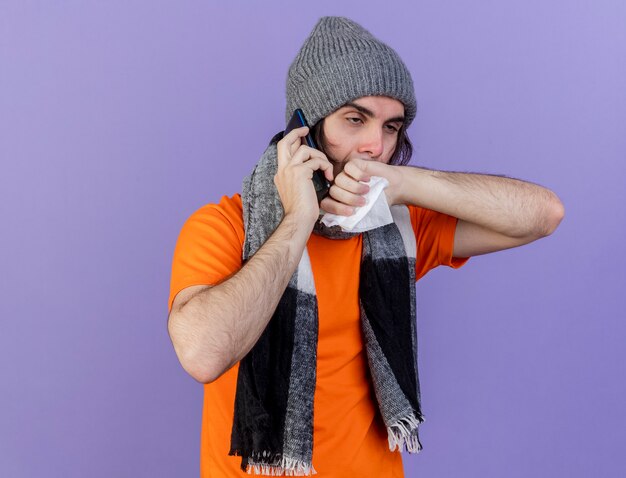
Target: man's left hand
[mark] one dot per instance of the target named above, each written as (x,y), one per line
(350,186)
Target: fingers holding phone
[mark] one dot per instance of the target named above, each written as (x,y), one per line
(290,143)
(297,164)
(320,181)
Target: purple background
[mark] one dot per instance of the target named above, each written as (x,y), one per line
(119,119)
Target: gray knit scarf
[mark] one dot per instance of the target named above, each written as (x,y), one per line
(273,417)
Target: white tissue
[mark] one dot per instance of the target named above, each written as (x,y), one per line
(375,213)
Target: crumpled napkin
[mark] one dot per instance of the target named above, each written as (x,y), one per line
(375,213)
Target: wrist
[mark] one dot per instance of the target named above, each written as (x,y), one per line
(297,227)
(396,189)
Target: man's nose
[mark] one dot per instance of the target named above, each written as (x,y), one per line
(372,143)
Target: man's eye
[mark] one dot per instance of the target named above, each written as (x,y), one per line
(354,120)
(392,129)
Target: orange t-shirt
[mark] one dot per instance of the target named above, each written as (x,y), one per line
(349,437)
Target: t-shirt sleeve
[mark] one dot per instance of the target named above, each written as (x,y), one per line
(209,246)
(434,234)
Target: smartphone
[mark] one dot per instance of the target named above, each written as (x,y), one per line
(320,182)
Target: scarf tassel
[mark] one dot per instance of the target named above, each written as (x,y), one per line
(287,467)
(404,434)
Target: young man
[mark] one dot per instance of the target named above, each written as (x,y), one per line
(305,335)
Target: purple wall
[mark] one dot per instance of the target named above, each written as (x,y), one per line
(119,119)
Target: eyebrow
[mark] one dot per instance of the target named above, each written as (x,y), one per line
(370,113)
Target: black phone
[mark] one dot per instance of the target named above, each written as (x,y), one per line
(320,182)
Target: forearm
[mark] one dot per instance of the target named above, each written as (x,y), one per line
(217,327)
(509,206)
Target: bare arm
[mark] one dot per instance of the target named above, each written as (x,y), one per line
(508,206)
(494,212)
(218,326)
(212,328)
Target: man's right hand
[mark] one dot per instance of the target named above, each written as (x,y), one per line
(212,328)
(296,164)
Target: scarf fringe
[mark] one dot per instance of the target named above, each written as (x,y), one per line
(287,466)
(404,434)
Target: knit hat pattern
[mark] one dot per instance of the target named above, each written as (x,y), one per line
(339,62)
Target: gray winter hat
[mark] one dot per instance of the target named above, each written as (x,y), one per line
(341,61)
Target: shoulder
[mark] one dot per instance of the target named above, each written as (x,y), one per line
(209,246)
(230,207)
(213,230)
(434,234)
(225,216)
